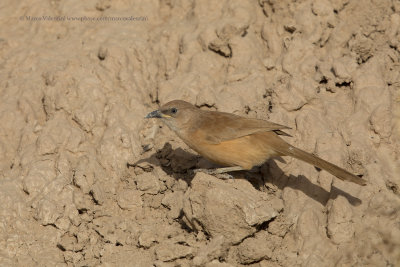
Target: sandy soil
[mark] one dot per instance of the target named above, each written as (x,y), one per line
(85,180)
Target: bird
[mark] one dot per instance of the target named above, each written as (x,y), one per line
(234,142)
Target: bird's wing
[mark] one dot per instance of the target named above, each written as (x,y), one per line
(225,126)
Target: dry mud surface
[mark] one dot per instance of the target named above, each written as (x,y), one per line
(85,180)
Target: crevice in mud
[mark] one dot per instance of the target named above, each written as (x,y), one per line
(253,262)
(324,80)
(260,227)
(270,106)
(222,53)
(298,108)
(184,226)
(183,243)
(264,225)
(206,105)
(61,247)
(146,148)
(154,98)
(290,28)
(51,224)
(393,188)
(246,237)
(343,84)
(268,97)
(75,120)
(95,201)
(44,108)
(82,211)
(101,56)
(101,236)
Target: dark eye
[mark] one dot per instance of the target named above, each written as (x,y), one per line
(174,110)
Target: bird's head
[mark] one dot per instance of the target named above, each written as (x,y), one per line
(175,114)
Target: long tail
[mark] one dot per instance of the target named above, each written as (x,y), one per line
(288,150)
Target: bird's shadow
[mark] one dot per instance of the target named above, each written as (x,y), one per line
(274,175)
(179,163)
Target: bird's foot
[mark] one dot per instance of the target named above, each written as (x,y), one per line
(214,172)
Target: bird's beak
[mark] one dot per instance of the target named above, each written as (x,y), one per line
(154,114)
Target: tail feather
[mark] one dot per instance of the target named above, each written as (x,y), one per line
(322,164)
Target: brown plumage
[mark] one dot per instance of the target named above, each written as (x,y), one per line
(234,141)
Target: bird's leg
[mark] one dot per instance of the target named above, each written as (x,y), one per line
(228,169)
(220,172)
